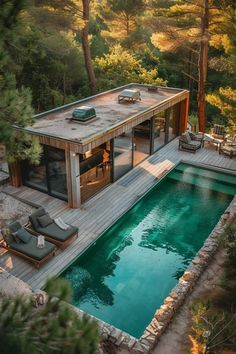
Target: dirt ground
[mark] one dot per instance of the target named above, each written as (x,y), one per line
(12,209)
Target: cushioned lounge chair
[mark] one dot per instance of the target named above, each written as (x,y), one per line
(51,231)
(187,144)
(27,250)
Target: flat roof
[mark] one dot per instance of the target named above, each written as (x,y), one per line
(109,113)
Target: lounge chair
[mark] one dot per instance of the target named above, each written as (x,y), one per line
(187,144)
(44,225)
(26,249)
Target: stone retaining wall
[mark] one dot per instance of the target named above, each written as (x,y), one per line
(186,283)
(11,286)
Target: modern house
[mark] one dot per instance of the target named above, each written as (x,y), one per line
(83,155)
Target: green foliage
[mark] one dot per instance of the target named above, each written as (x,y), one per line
(225,100)
(211,328)
(193,118)
(15,103)
(120,67)
(53,329)
(41,54)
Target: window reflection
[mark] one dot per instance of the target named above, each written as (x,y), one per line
(57,172)
(142,139)
(95,170)
(159,130)
(123,155)
(35,175)
(50,175)
(173,122)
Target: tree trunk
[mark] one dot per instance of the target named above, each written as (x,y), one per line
(86,48)
(64,84)
(202,67)
(127,24)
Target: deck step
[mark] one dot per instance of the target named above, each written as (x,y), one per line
(209,174)
(202,182)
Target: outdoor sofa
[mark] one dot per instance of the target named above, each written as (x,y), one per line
(23,242)
(188,144)
(41,223)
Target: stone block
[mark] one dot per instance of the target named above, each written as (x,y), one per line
(139,349)
(39,298)
(132,343)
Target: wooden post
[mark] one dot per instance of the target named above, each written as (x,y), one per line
(176,118)
(73,179)
(184,107)
(15,174)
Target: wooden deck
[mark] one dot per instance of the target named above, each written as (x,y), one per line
(104,208)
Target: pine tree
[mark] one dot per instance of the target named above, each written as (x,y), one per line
(192,24)
(54,329)
(15,103)
(71,15)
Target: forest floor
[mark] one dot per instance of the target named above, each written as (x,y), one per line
(12,209)
(176,338)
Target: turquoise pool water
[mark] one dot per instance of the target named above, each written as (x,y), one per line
(127,274)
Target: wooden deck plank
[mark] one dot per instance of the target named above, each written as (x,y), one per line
(92,219)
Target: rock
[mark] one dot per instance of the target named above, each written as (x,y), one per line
(139,349)
(131,343)
(10,286)
(39,298)
(165,313)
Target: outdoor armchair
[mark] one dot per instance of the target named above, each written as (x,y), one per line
(44,225)
(187,144)
(25,245)
(217,136)
(218,131)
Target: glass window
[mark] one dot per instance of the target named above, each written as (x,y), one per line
(173,122)
(123,154)
(142,139)
(95,170)
(50,175)
(57,172)
(35,175)
(159,130)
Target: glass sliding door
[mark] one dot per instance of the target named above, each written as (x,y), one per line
(95,170)
(35,176)
(159,130)
(123,154)
(142,140)
(173,123)
(56,171)
(50,175)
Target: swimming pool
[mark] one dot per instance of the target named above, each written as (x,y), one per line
(126,275)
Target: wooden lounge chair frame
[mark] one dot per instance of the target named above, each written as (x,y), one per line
(37,263)
(60,244)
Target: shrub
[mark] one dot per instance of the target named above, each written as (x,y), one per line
(54,329)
